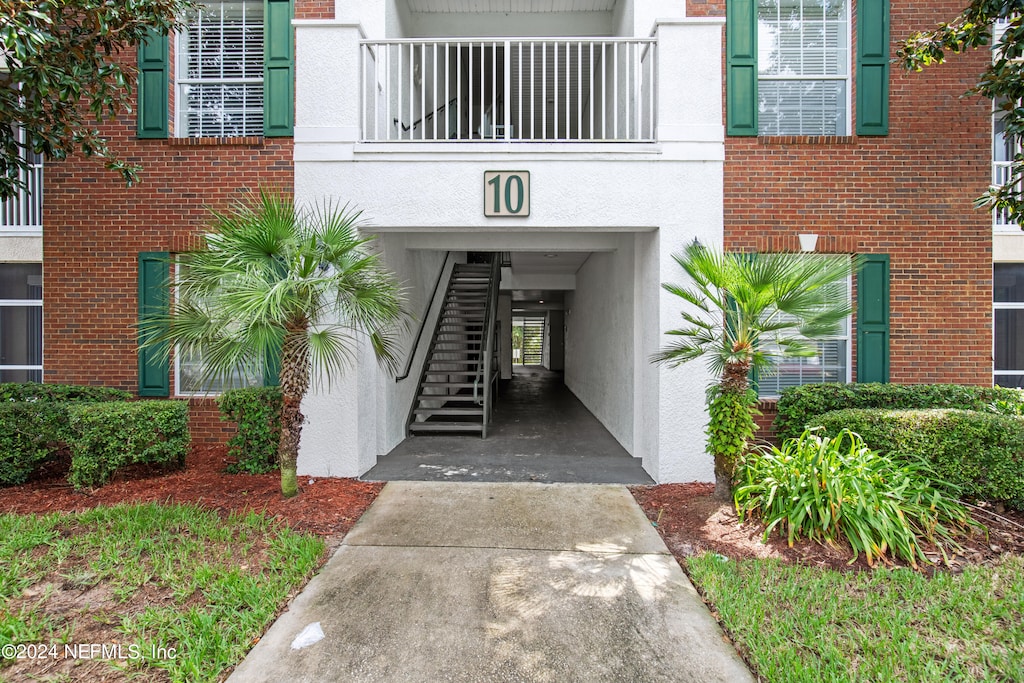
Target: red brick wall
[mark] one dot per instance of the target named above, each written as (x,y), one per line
(908,194)
(314,9)
(96,226)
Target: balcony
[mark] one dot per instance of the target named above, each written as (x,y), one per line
(23,213)
(1000,217)
(509,90)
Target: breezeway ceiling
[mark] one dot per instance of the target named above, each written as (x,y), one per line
(547,263)
(509,6)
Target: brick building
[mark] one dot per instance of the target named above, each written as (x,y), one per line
(627,128)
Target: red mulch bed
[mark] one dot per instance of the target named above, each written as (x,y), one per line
(325,507)
(692,522)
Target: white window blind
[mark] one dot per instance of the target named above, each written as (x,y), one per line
(219,70)
(803,67)
(190,378)
(830,364)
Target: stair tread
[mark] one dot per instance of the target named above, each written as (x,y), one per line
(446,427)
(449,411)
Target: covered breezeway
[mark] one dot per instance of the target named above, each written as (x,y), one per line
(541,432)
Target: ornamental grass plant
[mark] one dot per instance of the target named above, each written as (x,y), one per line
(832,490)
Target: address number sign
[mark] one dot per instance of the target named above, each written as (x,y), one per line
(507,193)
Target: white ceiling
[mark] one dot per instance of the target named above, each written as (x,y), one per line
(509,6)
(547,263)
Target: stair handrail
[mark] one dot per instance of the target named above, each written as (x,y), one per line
(423,319)
(484,368)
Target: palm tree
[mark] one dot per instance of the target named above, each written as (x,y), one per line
(753,309)
(274,284)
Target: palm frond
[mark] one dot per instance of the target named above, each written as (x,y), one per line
(755,308)
(267,267)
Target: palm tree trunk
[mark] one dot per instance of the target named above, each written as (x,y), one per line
(294,377)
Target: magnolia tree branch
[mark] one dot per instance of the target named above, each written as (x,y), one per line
(1002,82)
(61,77)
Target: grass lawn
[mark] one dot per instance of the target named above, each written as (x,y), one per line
(796,623)
(174,592)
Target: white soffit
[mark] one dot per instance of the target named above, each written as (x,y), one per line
(535,262)
(509,6)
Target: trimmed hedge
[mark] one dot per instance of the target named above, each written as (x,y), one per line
(107,436)
(29,433)
(35,392)
(981,453)
(34,422)
(798,405)
(257,412)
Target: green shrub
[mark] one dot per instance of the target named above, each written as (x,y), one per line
(257,412)
(731,424)
(981,453)
(28,433)
(106,436)
(798,405)
(34,420)
(831,489)
(35,392)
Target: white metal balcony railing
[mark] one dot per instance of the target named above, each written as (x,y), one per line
(24,211)
(1000,175)
(522,90)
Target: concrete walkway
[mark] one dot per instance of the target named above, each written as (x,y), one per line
(499,582)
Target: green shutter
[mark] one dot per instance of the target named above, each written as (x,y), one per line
(278,69)
(741,67)
(154,363)
(873,67)
(153,112)
(873,319)
(272,368)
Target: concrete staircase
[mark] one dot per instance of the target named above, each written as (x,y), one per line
(450,397)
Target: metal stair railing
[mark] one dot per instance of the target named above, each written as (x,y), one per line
(485,368)
(423,321)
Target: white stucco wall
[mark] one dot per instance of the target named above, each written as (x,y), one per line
(1008,248)
(599,339)
(21,249)
(554,24)
(631,204)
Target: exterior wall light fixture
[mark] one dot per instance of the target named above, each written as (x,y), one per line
(808,241)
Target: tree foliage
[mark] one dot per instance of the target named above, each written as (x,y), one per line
(60,76)
(746,312)
(983,23)
(274,282)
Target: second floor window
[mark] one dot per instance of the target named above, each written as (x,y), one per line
(803,67)
(219,70)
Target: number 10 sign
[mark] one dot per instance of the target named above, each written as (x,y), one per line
(507,193)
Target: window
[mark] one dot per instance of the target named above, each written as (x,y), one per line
(21,322)
(189,380)
(190,374)
(219,69)
(803,64)
(831,364)
(1008,337)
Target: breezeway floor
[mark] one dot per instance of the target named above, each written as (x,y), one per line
(540,432)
